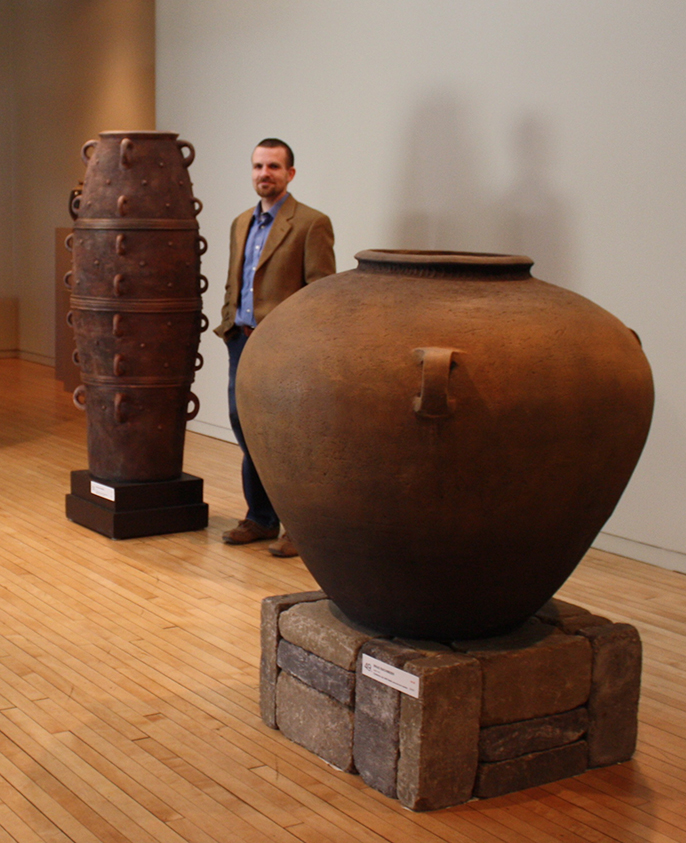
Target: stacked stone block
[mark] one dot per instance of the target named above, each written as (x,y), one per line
(545,702)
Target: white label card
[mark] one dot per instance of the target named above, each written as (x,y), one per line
(102,491)
(394,677)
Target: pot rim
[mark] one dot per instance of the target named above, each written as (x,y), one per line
(137,133)
(436,258)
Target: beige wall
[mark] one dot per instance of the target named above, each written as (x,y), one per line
(72,68)
(9,334)
(546,127)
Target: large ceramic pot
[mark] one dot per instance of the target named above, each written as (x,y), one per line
(136,302)
(443,435)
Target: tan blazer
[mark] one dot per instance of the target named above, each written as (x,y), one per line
(299,249)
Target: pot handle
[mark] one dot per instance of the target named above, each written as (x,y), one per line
(79,397)
(204,323)
(75,357)
(202,245)
(125,148)
(120,245)
(204,284)
(117,284)
(193,412)
(119,365)
(199,361)
(197,206)
(434,401)
(187,159)
(117,329)
(120,407)
(85,157)
(67,279)
(122,202)
(69,242)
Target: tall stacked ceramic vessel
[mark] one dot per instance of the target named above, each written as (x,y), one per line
(443,435)
(136,303)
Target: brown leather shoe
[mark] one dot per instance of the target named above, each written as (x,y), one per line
(283,547)
(249,531)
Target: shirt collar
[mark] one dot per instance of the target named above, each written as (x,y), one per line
(272,212)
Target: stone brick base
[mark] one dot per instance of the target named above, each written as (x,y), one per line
(482,718)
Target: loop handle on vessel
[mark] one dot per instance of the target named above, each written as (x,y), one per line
(117,330)
(193,412)
(197,206)
(75,204)
(79,397)
(67,279)
(120,244)
(204,284)
(204,323)
(202,245)
(70,318)
(122,202)
(119,365)
(85,157)
(75,357)
(198,361)
(69,242)
(117,284)
(120,407)
(434,401)
(187,159)
(125,149)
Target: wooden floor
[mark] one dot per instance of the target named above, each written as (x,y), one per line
(129,679)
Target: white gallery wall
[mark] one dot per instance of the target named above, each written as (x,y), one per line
(543,127)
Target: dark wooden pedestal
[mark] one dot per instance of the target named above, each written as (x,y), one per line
(130,510)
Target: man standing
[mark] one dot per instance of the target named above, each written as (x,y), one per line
(275,250)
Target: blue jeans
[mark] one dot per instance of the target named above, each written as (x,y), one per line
(260,508)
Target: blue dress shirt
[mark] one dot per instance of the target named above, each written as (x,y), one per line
(260,227)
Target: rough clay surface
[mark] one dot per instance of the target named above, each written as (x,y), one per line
(269,640)
(531,770)
(533,672)
(439,732)
(321,628)
(615,690)
(377,718)
(315,721)
(500,743)
(318,674)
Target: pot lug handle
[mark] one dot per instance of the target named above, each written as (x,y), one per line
(187,159)
(125,150)
(121,408)
(192,412)
(79,397)
(85,157)
(434,400)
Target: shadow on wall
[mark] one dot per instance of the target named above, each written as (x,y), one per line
(445,203)
(442,204)
(535,219)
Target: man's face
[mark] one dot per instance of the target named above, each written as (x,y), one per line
(270,175)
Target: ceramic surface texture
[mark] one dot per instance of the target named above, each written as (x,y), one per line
(443,435)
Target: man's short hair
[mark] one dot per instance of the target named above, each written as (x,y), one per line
(272,143)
